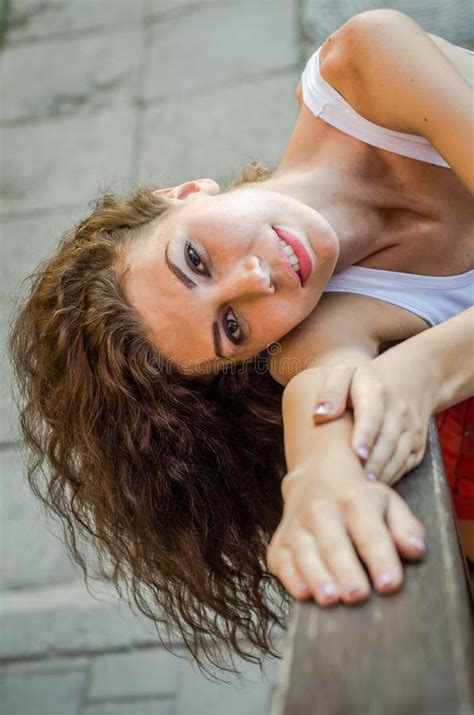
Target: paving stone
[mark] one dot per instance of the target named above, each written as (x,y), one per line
(219,43)
(67,619)
(64,161)
(150,672)
(133,707)
(33,19)
(199,696)
(24,243)
(451,20)
(42,692)
(69,75)
(30,553)
(221,137)
(158,8)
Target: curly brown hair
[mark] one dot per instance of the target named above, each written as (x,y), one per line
(175,481)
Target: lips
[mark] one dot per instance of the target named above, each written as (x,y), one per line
(306,265)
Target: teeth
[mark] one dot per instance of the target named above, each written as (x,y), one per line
(288,251)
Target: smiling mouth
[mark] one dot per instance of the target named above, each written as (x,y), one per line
(297,256)
(287,252)
(291,257)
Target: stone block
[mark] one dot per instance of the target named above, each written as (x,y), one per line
(31,553)
(219,43)
(66,618)
(33,19)
(221,136)
(452,20)
(199,696)
(133,707)
(24,243)
(69,76)
(43,689)
(147,673)
(64,162)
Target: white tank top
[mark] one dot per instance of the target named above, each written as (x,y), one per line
(434,298)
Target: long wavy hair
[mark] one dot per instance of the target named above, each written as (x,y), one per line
(175,481)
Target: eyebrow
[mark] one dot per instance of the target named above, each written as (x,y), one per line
(185,280)
(190,284)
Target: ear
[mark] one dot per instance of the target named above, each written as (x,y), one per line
(181,192)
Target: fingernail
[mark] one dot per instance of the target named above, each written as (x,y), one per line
(323,408)
(363,451)
(384,579)
(417,543)
(300,587)
(354,589)
(372,476)
(328,590)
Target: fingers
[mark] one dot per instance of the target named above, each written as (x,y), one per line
(322,554)
(400,462)
(375,545)
(369,410)
(407,531)
(340,557)
(331,395)
(314,572)
(386,445)
(302,572)
(283,566)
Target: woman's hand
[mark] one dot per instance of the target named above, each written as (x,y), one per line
(391,413)
(329,526)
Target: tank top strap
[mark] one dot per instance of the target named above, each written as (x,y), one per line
(325,102)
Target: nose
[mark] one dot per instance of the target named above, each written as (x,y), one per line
(249,278)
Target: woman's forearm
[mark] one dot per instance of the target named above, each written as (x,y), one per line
(445,352)
(429,372)
(305,442)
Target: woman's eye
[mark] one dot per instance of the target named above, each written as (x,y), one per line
(194,258)
(232,327)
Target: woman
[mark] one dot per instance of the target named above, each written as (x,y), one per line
(159,423)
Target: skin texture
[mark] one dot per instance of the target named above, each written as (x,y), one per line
(316,194)
(360,506)
(248,287)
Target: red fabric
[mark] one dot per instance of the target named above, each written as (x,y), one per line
(456,432)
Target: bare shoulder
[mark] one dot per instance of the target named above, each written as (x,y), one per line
(343,328)
(357,58)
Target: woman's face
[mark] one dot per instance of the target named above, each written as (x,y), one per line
(210,280)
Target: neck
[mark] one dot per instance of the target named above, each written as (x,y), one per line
(336,196)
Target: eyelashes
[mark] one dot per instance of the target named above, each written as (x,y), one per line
(237,340)
(231,325)
(188,250)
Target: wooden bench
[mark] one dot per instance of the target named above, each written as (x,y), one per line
(407,654)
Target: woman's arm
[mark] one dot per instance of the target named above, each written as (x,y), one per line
(394,395)
(333,516)
(401,78)
(329,505)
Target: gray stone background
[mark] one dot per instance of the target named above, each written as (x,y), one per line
(108,93)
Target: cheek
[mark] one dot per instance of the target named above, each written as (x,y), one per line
(273,321)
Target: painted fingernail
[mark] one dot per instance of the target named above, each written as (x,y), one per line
(363,451)
(384,579)
(417,543)
(354,589)
(323,408)
(372,476)
(300,587)
(328,590)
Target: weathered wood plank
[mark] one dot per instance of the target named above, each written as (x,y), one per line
(408,653)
